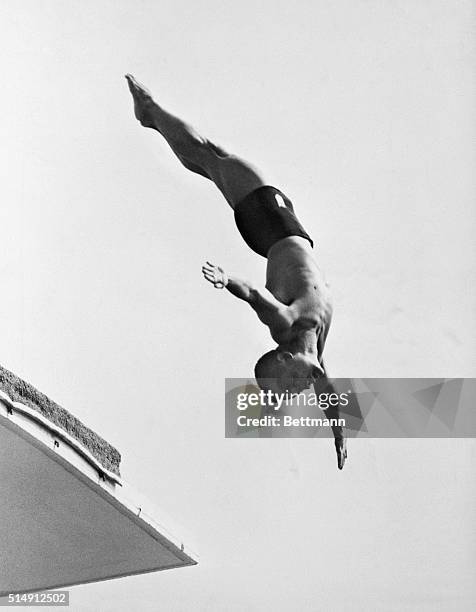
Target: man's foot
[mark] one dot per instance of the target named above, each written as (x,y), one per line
(144,104)
(341,449)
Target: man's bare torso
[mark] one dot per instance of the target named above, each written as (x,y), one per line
(295,279)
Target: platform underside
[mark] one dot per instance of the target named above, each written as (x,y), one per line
(63,521)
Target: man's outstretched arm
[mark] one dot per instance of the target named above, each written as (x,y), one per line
(273,313)
(324,385)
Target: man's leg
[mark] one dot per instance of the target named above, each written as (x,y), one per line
(234,177)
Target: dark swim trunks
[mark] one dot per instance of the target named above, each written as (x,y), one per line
(266,216)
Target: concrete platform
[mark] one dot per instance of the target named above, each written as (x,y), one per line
(66,517)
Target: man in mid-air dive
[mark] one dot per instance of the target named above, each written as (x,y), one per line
(296,304)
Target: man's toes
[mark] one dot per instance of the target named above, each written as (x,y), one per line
(131,82)
(143,102)
(137,90)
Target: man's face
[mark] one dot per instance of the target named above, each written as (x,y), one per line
(298,372)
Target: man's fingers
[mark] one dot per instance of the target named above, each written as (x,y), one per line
(340,459)
(341,448)
(209,277)
(208,274)
(215,275)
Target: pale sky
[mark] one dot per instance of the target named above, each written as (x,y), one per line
(363,113)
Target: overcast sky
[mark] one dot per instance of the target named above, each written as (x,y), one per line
(363,113)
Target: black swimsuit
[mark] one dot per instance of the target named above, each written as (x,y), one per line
(266,216)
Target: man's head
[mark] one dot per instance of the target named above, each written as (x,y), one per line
(281,370)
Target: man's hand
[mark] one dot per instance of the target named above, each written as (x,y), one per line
(215,275)
(341,449)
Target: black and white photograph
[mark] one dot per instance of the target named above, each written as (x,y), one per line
(238,306)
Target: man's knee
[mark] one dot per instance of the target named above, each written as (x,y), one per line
(234,176)
(198,169)
(210,157)
(203,157)
(205,153)
(219,151)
